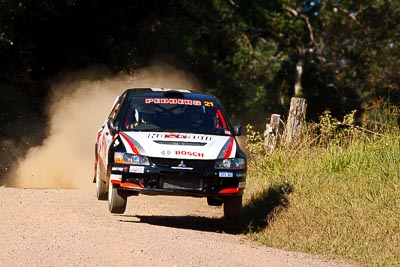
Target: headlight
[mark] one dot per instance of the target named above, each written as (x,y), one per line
(232,164)
(128,158)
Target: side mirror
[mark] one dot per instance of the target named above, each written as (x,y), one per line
(237,130)
(112,127)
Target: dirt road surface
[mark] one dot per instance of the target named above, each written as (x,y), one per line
(50,227)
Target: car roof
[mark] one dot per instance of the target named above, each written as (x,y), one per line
(167,92)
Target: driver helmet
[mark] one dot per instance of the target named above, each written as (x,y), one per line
(196,115)
(145,114)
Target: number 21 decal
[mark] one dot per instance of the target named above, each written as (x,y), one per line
(208,103)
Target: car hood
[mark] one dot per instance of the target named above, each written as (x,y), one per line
(178,145)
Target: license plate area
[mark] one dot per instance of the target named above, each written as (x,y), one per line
(188,183)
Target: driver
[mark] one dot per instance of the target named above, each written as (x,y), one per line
(196,116)
(144,114)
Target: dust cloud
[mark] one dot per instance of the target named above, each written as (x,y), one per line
(79,104)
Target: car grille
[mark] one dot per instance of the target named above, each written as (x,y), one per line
(196,164)
(191,183)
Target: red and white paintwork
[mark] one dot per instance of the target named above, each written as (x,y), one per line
(156,144)
(148,144)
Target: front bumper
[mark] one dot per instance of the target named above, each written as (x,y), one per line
(198,181)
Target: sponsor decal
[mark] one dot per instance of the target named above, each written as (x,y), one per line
(176,135)
(118,169)
(179,136)
(189,153)
(136,169)
(165,152)
(173,101)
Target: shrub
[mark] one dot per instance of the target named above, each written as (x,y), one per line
(344,197)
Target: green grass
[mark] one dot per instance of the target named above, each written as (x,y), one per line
(338,198)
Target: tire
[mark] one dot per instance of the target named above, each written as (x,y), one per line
(233,207)
(116,199)
(214,202)
(101,190)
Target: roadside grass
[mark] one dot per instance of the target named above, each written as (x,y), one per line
(337,195)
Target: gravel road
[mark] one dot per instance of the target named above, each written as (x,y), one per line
(50,227)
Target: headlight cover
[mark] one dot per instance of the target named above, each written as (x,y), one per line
(231,164)
(128,158)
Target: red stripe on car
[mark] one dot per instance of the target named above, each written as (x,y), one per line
(229,150)
(129,141)
(221,118)
(229,191)
(131,185)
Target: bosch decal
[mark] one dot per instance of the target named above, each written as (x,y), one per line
(189,153)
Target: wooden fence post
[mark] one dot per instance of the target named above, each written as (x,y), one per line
(294,125)
(272,134)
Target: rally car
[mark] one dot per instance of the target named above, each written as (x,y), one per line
(160,141)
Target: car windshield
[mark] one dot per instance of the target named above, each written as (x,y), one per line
(174,115)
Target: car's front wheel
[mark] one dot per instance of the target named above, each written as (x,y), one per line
(233,207)
(101,189)
(116,199)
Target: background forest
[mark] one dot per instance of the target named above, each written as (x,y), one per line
(337,194)
(254,55)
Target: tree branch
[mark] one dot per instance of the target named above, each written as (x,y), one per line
(295,13)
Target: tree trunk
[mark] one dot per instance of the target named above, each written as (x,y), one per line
(298,88)
(272,133)
(295,122)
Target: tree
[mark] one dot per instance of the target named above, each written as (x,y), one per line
(255,55)
(361,48)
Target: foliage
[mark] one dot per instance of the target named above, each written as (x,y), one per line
(330,129)
(246,52)
(344,196)
(381,115)
(254,141)
(359,47)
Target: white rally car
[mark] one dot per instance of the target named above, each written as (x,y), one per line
(159,141)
